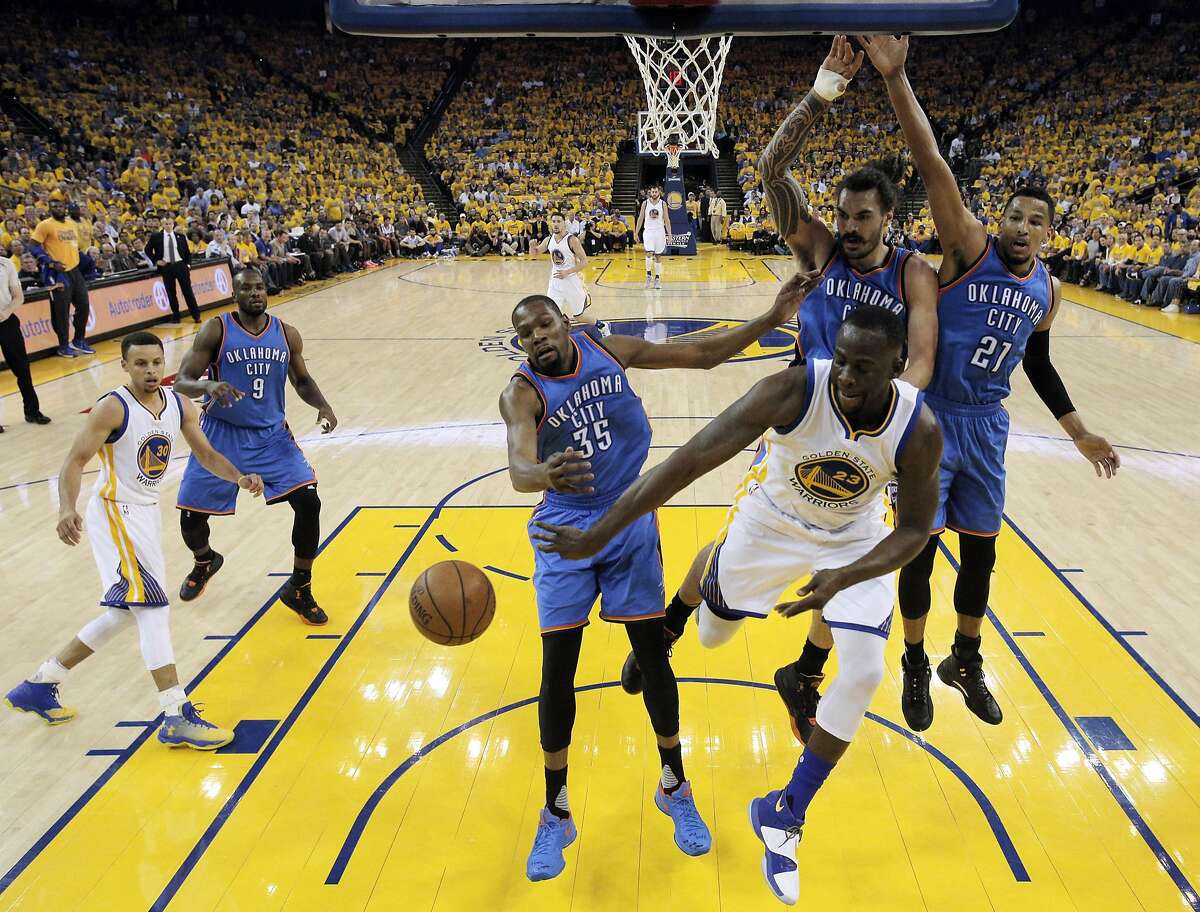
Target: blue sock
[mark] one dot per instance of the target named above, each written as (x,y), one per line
(808,776)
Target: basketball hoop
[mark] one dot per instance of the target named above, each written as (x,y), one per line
(682,79)
(673,151)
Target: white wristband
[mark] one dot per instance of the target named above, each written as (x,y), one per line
(830,85)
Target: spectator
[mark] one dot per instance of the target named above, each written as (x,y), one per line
(717,213)
(12,342)
(411,244)
(123,261)
(59,237)
(219,247)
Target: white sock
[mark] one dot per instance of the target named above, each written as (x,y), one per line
(649,262)
(668,778)
(561,801)
(172,699)
(658,269)
(52,671)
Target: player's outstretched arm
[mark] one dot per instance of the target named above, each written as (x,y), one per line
(566,472)
(189,426)
(809,238)
(772,401)
(189,381)
(303,382)
(917,472)
(921,293)
(961,235)
(1046,382)
(105,418)
(715,348)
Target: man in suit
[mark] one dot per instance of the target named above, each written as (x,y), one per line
(168,249)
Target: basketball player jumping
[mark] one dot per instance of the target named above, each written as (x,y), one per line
(857,268)
(653,215)
(833,434)
(133,429)
(578,432)
(567,262)
(249,356)
(996,304)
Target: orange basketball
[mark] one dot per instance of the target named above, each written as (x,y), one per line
(452,602)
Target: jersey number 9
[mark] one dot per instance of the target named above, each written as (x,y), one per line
(259,385)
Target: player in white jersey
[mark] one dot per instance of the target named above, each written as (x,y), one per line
(835,433)
(653,215)
(567,262)
(133,429)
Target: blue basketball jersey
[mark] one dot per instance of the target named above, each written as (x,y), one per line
(842,289)
(258,366)
(595,411)
(985,318)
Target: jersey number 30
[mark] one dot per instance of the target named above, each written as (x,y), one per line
(583,440)
(987,348)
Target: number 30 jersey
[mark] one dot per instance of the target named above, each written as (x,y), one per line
(594,411)
(985,319)
(258,366)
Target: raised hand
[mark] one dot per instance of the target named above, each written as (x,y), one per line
(569,473)
(887,52)
(791,293)
(842,58)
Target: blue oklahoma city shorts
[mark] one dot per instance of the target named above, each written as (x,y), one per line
(270,452)
(971,483)
(627,574)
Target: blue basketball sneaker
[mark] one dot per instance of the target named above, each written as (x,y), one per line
(780,831)
(691,833)
(189,730)
(553,835)
(41,699)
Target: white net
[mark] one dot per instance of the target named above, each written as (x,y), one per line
(682,78)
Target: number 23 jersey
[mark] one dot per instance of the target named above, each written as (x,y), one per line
(985,319)
(595,411)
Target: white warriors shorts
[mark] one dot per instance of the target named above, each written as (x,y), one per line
(569,294)
(127,544)
(654,241)
(755,565)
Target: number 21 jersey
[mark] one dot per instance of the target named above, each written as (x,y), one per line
(985,319)
(596,412)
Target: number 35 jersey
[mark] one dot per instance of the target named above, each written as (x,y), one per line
(258,366)
(595,411)
(819,473)
(985,319)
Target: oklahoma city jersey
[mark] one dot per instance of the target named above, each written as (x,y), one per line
(842,289)
(985,319)
(595,411)
(818,472)
(258,366)
(135,457)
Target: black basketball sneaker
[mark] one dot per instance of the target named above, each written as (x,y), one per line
(800,695)
(915,701)
(300,600)
(194,582)
(967,679)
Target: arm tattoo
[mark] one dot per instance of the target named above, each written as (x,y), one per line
(784,194)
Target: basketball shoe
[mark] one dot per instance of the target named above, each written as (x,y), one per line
(188,729)
(657,283)
(780,832)
(40,699)
(800,696)
(967,679)
(553,835)
(197,579)
(691,832)
(915,701)
(300,600)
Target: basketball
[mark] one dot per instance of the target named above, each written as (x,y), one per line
(452,603)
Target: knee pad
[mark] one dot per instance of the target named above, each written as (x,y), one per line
(977,558)
(306,529)
(194,526)
(154,633)
(913,582)
(716,627)
(97,632)
(860,670)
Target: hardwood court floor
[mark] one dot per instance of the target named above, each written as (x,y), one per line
(374,770)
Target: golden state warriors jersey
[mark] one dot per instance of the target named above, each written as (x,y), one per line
(820,473)
(135,457)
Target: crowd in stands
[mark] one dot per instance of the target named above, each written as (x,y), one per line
(290,162)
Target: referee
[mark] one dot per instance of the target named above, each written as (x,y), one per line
(12,343)
(59,235)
